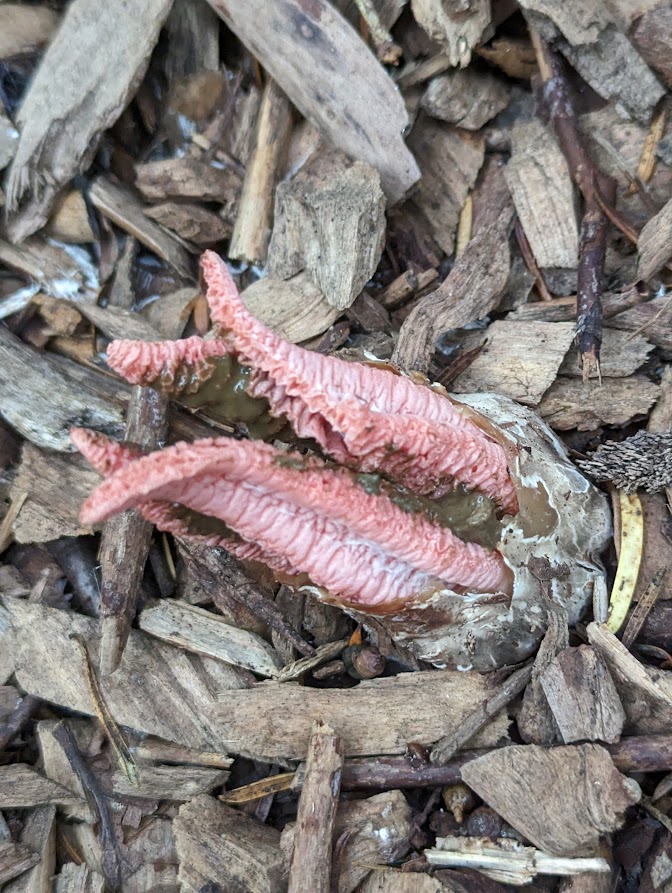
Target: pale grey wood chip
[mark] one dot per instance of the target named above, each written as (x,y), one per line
(622,354)
(581,21)
(528,786)
(312,53)
(655,242)
(520,360)
(571,403)
(75,878)
(543,193)
(21,787)
(15,859)
(86,77)
(169,782)
(457,28)
(465,97)
(295,308)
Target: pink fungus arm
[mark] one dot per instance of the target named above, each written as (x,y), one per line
(357,545)
(363,416)
(146,362)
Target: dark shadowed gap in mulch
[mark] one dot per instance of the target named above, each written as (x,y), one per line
(478,194)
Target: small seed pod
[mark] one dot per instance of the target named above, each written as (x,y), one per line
(484,822)
(363,661)
(458,799)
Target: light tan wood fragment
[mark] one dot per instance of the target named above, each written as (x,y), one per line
(191,222)
(622,355)
(203,632)
(457,29)
(520,360)
(75,878)
(157,689)
(24,29)
(394,881)
(56,271)
(310,864)
(124,209)
(470,291)
(330,221)
(655,243)
(583,697)
(252,229)
(450,161)
(535,720)
(527,785)
(311,51)
(15,859)
(86,77)
(227,848)
(188,177)
(295,308)
(541,186)
(651,319)
(580,21)
(570,403)
(465,97)
(169,782)
(275,719)
(646,694)
(70,220)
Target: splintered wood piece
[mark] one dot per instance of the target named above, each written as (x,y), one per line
(206,633)
(514,56)
(581,22)
(57,766)
(391,881)
(21,787)
(82,394)
(252,229)
(651,34)
(38,835)
(15,859)
(70,220)
(470,291)
(534,719)
(54,487)
(224,848)
(75,878)
(645,694)
(124,209)
(85,80)
(541,186)
(466,98)
(169,782)
(615,70)
(330,221)
(570,403)
(312,52)
(367,833)
(450,161)
(170,313)
(157,688)
(583,697)
(651,319)
(188,177)
(520,360)
(456,29)
(115,322)
(295,308)
(527,785)
(57,272)
(310,863)
(126,537)
(445,749)
(655,243)
(191,222)
(153,750)
(275,720)
(622,355)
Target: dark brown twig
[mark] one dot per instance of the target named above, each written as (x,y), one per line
(590,180)
(18,719)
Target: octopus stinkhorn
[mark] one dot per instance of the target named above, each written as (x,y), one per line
(403,503)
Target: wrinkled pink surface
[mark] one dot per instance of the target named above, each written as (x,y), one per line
(364,417)
(316,519)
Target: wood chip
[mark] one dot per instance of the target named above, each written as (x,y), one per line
(54,486)
(24,29)
(470,291)
(570,403)
(203,632)
(622,355)
(38,835)
(655,243)
(157,688)
(542,190)
(169,782)
(70,219)
(310,862)
(191,222)
(15,859)
(651,320)
(87,76)
(85,397)
(189,177)
(224,848)
(61,273)
(581,22)
(646,694)
(583,697)
(330,221)
(275,719)
(450,161)
(22,787)
(457,29)
(520,360)
(311,50)
(467,99)
(295,308)
(527,785)
(75,878)
(124,209)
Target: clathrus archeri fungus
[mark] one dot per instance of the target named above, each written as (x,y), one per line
(398,502)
